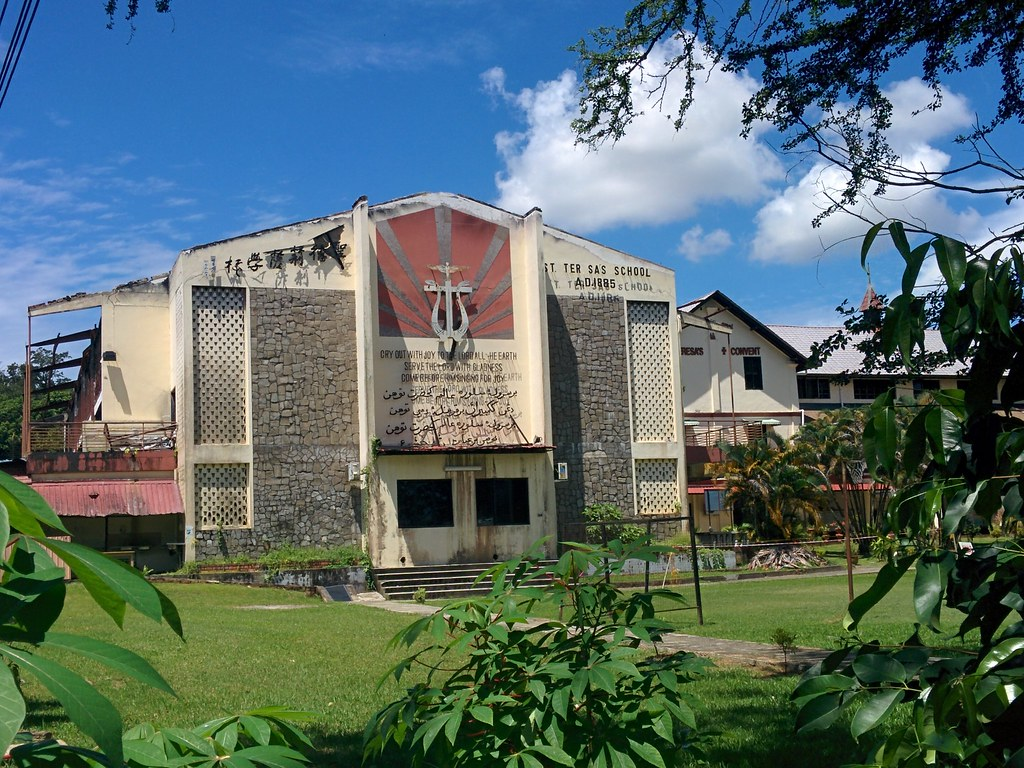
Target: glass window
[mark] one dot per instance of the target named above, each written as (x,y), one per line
(425,504)
(869,389)
(813,388)
(714,501)
(925,385)
(503,501)
(752,373)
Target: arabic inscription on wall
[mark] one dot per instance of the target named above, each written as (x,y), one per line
(471,400)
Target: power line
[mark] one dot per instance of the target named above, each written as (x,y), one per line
(16,44)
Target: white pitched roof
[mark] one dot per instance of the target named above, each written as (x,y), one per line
(850,360)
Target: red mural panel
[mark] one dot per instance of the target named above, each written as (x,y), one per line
(419,254)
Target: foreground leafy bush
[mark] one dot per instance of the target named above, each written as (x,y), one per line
(505,690)
(263,737)
(32,594)
(964,452)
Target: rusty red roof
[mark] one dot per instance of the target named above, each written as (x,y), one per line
(102,498)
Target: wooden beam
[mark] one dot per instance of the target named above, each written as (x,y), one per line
(77,336)
(55,366)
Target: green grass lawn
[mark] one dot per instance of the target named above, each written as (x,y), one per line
(249,647)
(812,608)
(238,655)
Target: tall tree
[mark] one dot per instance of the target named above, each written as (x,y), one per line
(12,389)
(823,67)
(833,442)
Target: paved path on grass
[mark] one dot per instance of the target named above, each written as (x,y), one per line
(730,651)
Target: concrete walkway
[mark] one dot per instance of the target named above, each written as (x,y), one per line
(728,651)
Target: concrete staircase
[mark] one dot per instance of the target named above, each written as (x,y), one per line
(438,581)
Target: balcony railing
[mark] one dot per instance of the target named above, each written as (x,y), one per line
(713,436)
(87,436)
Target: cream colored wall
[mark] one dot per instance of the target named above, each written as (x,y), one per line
(135,325)
(841,395)
(707,377)
(584,269)
(465,541)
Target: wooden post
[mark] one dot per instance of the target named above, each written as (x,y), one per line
(696,571)
(846,525)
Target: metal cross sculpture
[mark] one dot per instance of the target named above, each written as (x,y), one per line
(452,295)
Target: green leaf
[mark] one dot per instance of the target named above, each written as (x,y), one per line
(227,736)
(258,729)
(113,656)
(818,684)
(945,741)
(273,756)
(451,728)
(556,754)
(875,711)
(958,507)
(84,705)
(869,240)
(878,668)
(578,687)
(819,712)
(145,753)
(929,585)
(1007,649)
(914,261)
(560,702)
(5,524)
(111,583)
(899,239)
(886,579)
(647,753)
(26,508)
(190,740)
(429,730)
(951,257)
(482,714)
(12,706)
(881,435)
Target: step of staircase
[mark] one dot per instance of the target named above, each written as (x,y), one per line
(438,581)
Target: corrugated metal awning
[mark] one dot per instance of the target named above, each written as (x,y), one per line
(103,498)
(697,487)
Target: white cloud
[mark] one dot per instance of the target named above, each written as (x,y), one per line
(653,175)
(784,224)
(62,231)
(696,244)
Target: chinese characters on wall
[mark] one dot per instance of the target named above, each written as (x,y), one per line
(324,249)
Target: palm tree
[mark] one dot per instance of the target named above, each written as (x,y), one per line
(771,479)
(834,443)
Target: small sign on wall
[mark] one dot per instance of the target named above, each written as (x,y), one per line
(562,471)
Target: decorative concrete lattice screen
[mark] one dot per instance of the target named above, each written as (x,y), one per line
(650,363)
(222,496)
(657,487)
(218,364)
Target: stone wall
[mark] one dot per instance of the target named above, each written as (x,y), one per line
(589,406)
(305,424)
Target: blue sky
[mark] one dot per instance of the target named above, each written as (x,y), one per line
(117,150)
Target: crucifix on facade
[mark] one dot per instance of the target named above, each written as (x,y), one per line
(452,295)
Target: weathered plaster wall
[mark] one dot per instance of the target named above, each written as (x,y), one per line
(305,428)
(589,406)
